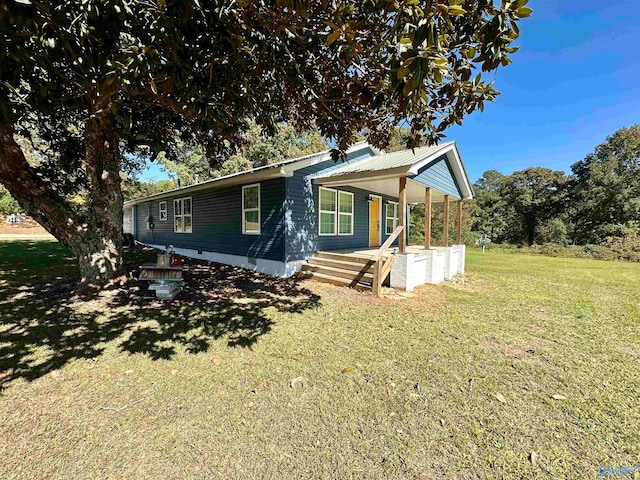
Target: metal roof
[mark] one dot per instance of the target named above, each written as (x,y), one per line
(403,158)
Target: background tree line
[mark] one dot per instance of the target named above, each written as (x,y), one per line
(598,201)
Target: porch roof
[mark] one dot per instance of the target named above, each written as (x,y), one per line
(380,173)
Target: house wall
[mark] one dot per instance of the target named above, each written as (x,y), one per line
(438,175)
(301,213)
(217,222)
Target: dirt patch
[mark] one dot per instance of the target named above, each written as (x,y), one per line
(528,349)
(27,227)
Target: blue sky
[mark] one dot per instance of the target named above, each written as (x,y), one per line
(575,80)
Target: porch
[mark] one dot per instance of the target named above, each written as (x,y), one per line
(427,175)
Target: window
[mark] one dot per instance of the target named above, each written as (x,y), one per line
(251,209)
(182,215)
(391,220)
(345,213)
(336,212)
(327,211)
(163,211)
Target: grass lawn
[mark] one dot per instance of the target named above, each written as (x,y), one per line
(244,376)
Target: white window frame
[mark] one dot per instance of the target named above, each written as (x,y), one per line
(182,215)
(334,212)
(395,220)
(165,211)
(253,209)
(351,215)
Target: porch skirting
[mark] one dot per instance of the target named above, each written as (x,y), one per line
(410,270)
(269,267)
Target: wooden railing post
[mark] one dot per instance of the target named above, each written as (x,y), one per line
(445,232)
(427,218)
(402,198)
(382,269)
(377,284)
(459,224)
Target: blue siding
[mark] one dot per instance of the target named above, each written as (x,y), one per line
(301,215)
(217,222)
(438,175)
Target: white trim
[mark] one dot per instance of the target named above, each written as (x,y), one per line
(166,211)
(453,156)
(379,220)
(395,219)
(350,178)
(269,267)
(334,212)
(253,209)
(351,215)
(182,215)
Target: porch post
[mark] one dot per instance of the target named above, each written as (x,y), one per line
(427,218)
(402,197)
(459,224)
(445,229)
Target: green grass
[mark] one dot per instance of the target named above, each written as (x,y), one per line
(201,388)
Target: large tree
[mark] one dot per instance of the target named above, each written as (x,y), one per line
(533,197)
(491,213)
(95,79)
(605,188)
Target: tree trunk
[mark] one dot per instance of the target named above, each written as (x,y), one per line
(96,240)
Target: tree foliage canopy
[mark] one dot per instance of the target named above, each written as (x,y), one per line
(600,200)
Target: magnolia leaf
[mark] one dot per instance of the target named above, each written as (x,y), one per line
(456,10)
(533,458)
(524,12)
(347,369)
(402,72)
(332,37)
(558,397)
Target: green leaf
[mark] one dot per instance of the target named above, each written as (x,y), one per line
(332,37)
(154,87)
(456,10)
(402,72)
(524,12)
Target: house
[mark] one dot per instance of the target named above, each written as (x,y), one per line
(345,222)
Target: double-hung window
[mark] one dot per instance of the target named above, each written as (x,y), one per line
(163,211)
(251,209)
(336,212)
(391,218)
(345,213)
(328,204)
(182,220)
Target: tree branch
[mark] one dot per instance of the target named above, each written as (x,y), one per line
(40,201)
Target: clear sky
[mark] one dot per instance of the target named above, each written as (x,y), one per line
(575,80)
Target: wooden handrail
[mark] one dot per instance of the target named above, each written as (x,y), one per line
(382,270)
(387,244)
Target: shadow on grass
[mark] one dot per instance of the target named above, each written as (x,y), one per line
(42,327)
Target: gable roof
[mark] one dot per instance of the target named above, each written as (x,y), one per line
(386,161)
(404,163)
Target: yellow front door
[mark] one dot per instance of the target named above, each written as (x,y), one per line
(374,221)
